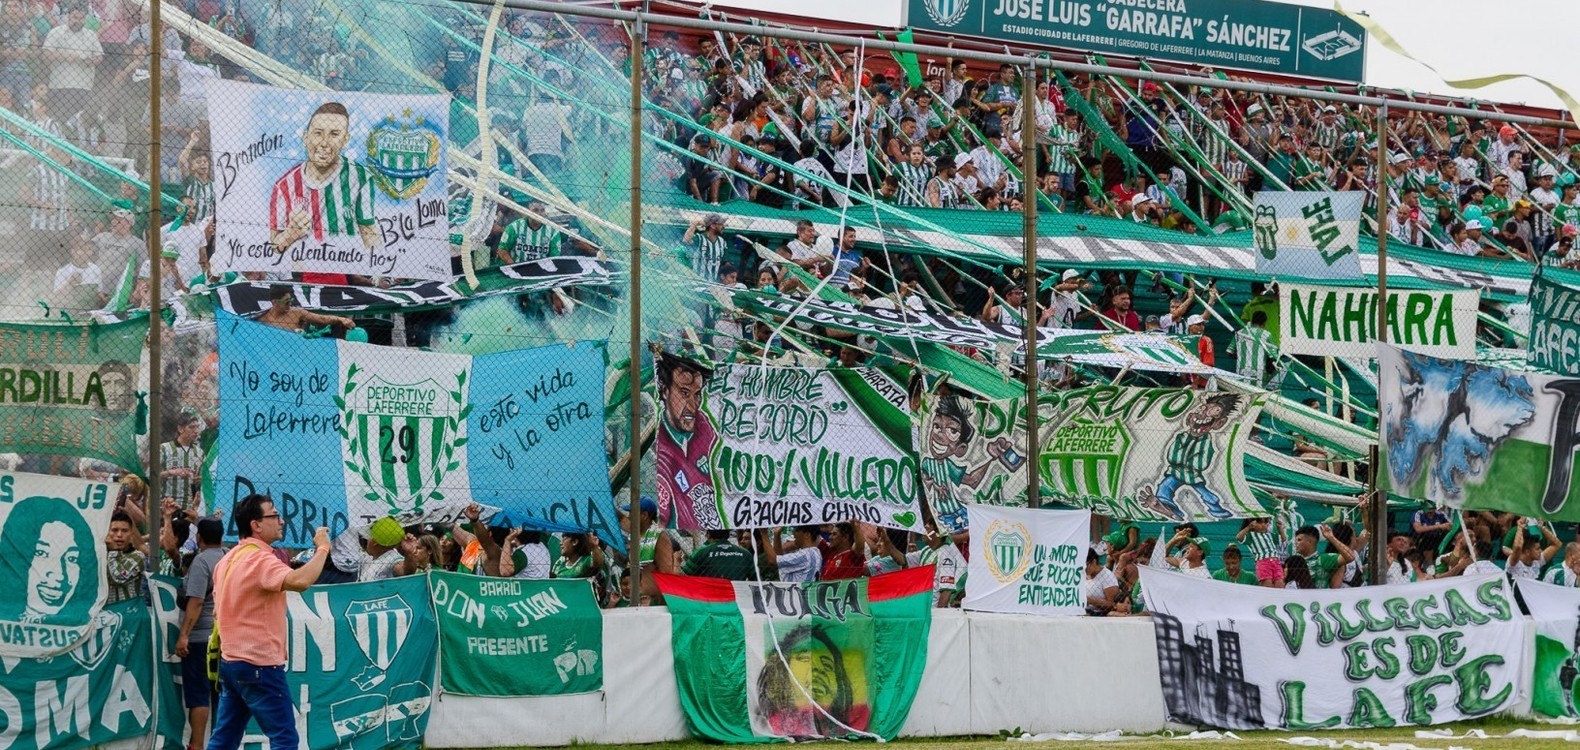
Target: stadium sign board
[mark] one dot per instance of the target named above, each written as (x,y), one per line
(1274,37)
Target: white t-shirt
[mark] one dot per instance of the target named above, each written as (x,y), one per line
(78,72)
(948,564)
(1105,578)
(542,130)
(1201,571)
(1518,569)
(85,276)
(539,562)
(800,251)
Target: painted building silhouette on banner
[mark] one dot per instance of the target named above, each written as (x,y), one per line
(1195,688)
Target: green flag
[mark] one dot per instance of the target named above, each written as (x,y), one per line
(103,692)
(70,389)
(361,668)
(759,662)
(511,637)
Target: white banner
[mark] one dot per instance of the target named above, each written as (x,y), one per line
(1342,321)
(1243,657)
(1303,234)
(328,182)
(1025,560)
(52,560)
(1556,610)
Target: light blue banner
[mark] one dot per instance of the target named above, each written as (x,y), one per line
(342,433)
(1307,235)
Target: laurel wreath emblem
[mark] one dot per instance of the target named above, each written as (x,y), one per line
(936,13)
(439,466)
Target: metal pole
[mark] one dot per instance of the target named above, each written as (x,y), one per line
(1029,194)
(1378,521)
(633,484)
(152,496)
(999,58)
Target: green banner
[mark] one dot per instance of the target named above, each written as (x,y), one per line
(1275,37)
(71,390)
(361,668)
(1555,321)
(102,691)
(758,662)
(511,637)
(1143,454)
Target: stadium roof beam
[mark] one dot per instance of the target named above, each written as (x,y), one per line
(661,19)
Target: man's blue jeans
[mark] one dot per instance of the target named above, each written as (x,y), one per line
(250,692)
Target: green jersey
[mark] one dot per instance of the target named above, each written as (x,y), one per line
(1246,577)
(913,183)
(521,242)
(1322,565)
(581,568)
(1252,348)
(1260,545)
(717,559)
(1189,456)
(706,257)
(1495,207)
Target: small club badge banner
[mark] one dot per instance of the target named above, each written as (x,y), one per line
(1243,657)
(1342,321)
(757,662)
(1556,673)
(1479,437)
(52,562)
(504,637)
(331,182)
(1028,561)
(1312,235)
(342,433)
(1150,454)
(1555,321)
(749,446)
(101,693)
(71,389)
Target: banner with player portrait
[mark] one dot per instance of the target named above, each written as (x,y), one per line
(329,182)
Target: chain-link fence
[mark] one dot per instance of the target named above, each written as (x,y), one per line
(426,212)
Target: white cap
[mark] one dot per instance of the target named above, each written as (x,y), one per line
(1474,224)
(1546,170)
(1399,157)
(1195,320)
(1069,273)
(962,160)
(1253,109)
(1140,199)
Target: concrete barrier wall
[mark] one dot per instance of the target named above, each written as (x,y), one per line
(985,672)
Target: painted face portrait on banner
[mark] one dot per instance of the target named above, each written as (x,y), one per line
(57,546)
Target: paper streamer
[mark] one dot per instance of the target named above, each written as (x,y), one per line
(1386,39)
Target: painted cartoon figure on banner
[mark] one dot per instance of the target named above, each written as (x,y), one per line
(944,477)
(684,445)
(1190,455)
(327,196)
(59,546)
(1450,415)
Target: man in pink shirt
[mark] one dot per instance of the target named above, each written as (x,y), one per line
(249,613)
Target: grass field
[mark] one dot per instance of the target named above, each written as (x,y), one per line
(1248,740)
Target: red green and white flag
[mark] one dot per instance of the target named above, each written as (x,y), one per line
(773,661)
